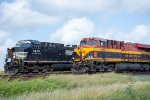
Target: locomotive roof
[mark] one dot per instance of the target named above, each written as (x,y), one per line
(28,41)
(138,45)
(102,39)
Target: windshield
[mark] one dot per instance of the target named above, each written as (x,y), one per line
(26,43)
(83,42)
(92,42)
(23,45)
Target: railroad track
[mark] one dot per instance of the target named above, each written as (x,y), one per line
(32,75)
(44,75)
(138,74)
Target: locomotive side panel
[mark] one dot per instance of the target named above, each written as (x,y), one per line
(116,55)
(33,56)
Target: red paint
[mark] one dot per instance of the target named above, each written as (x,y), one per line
(113,44)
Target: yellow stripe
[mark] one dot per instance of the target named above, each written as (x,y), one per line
(119,51)
(106,59)
(112,60)
(87,50)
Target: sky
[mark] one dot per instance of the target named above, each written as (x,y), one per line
(68,21)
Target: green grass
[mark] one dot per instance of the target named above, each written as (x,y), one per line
(109,86)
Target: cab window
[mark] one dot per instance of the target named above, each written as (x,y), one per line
(102,44)
(93,42)
(83,42)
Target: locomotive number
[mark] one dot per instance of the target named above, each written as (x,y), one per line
(36,51)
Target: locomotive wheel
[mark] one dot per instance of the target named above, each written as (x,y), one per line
(82,70)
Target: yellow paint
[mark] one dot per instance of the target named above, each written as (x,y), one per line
(85,51)
(102,59)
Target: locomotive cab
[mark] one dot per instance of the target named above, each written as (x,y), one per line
(94,42)
(87,42)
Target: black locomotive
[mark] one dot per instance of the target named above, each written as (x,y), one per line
(31,56)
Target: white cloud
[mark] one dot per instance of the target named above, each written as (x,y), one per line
(5,41)
(73,31)
(75,6)
(8,43)
(84,7)
(3,36)
(28,14)
(76,29)
(136,5)
(19,15)
(139,34)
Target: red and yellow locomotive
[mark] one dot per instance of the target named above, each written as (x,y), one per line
(97,54)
